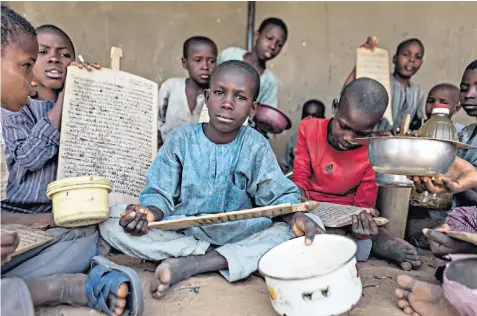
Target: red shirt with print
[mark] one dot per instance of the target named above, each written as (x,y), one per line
(329,175)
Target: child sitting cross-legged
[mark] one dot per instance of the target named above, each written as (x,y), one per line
(220,166)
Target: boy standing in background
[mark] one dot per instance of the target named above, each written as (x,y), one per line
(181,99)
(406,97)
(270,39)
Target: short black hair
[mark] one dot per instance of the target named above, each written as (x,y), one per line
(241,65)
(320,105)
(367,96)
(58,30)
(409,41)
(471,66)
(194,40)
(13,24)
(274,21)
(445,85)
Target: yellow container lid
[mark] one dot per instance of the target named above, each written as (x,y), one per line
(77,183)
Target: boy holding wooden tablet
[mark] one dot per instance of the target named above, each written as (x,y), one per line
(406,96)
(329,168)
(220,166)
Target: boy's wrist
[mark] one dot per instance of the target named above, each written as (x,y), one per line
(158,214)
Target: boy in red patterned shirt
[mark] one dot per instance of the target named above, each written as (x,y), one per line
(329,168)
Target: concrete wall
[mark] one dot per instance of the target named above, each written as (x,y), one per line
(314,63)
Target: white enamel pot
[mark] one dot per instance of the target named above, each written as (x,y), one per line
(317,280)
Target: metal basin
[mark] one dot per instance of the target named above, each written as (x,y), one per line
(402,155)
(393,180)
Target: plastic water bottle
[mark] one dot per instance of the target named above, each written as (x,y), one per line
(439,126)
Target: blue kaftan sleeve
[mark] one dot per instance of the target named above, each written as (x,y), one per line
(163,176)
(268,184)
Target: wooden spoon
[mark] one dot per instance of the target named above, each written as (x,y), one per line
(406,121)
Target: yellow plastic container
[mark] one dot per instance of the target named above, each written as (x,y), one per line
(80,201)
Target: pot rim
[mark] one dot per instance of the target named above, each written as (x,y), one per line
(309,276)
(367,140)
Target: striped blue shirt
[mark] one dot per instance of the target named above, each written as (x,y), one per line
(31,151)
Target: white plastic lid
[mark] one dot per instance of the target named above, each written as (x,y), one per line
(440,111)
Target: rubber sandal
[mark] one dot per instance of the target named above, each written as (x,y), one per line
(104,278)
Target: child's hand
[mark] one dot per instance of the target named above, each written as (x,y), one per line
(442,244)
(9,244)
(460,177)
(371,43)
(303,198)
(432,185)
(408,133)
(302,225)
(135,220)
(86,65)
(364,226)
(44,221)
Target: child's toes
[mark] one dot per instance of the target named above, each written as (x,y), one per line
(122,291)
(119,311)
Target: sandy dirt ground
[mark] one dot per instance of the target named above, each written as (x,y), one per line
(211,295)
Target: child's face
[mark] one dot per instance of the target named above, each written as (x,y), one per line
(468,92)
(54,56)
(348,124)
(269,42)
(18,59)
(409,60)
(200,62)
(313,110)
(230,99)
(442,95)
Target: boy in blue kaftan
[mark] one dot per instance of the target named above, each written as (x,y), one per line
(211,168)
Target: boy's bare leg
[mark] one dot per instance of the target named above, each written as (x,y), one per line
(397,250)
(174,270)
(70,289)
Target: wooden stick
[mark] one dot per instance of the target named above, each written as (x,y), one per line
(406,121)
(267,211)
(116,55)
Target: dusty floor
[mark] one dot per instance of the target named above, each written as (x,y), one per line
(200,296)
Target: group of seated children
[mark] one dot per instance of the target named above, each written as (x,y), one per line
(53,273)
(206,168)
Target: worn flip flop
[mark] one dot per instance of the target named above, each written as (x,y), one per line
(106,277)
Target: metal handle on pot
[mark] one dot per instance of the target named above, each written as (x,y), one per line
(316,295)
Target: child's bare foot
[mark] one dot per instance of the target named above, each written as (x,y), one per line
(172,271)
(169,272)
(422,299)
(397,250)
(70,289)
